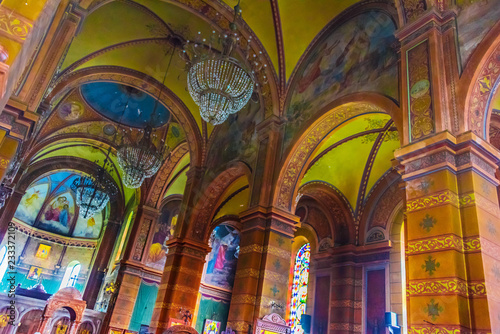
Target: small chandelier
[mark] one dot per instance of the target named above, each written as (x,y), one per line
(93,192)
(218,83)
(141,160)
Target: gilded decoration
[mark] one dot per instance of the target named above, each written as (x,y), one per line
(479,97)
(444,242)
(413,8)
(433,330)
(275,277)
(14,25)
(441,198)
(309,142)
(446,286)
(420,89)
(141,239)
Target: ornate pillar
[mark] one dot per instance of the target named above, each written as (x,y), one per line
(44,324)
(131,267)
(101,262)
(74,327)
(429,72)
(180,282)
(261,284)
(452,243)
(9,210)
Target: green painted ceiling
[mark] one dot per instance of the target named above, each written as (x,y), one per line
(343,169)
(177,187)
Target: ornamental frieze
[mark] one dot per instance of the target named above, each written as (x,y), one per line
(446,286)
(14,25)
(442,198)
(444,242)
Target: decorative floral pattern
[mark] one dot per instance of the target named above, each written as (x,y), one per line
(428,222)
(433,309)
(430,265)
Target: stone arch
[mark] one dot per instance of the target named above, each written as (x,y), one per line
(140,81)
(479,83)
(336,208)
(385,197)
(159,185)
(299,155)
(204,208)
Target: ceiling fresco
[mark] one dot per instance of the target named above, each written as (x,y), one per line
(124,104)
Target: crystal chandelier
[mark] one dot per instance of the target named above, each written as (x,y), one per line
(218,83)
(93,192)
(140,161)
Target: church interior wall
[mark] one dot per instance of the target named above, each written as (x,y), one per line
(360,179)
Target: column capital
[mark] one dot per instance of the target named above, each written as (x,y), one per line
(188,247)
(432,19)
(445,151)
(270,218)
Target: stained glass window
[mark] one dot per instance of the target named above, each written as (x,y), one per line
(299,288)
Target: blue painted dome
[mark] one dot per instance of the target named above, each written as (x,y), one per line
(109,99)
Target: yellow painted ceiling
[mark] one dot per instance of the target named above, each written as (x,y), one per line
(177,187)
(301,21)
(237,204)
(30,9)
(259,16)
(344,165)
(495,102)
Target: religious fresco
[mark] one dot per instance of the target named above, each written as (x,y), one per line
(239,139)
(474,20)
(164,231)
(71,111)
(88,228)
(58,215)
(356,56)
(32,202)
(222,259)
(49,204)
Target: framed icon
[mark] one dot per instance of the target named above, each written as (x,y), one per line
(34,273)
(43,251)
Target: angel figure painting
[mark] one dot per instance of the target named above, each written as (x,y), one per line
(31,203)
(58,214)
(221,261)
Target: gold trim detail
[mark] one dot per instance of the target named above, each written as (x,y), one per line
(445,197)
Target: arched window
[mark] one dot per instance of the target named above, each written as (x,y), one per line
(299,288)
(71,274)
(3,261)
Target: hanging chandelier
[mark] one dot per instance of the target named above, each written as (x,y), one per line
(218,83)
(93,192)
(140,159)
